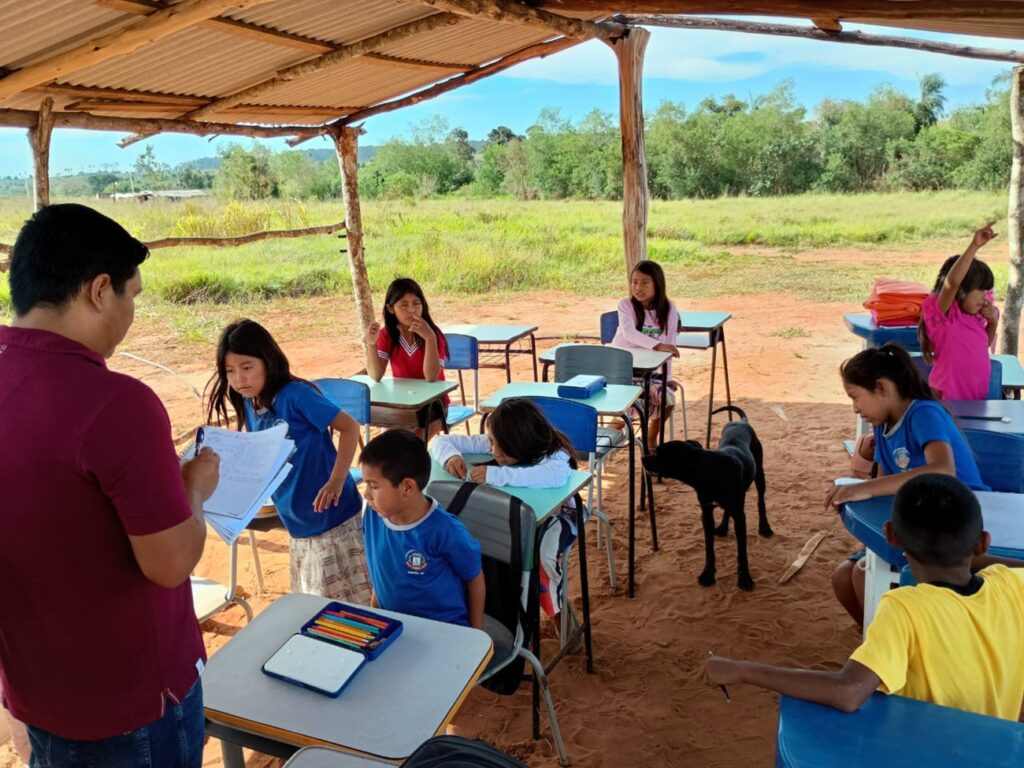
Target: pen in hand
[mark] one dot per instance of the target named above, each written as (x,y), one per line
(200,434)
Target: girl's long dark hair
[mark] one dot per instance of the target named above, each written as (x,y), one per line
(660,303)
(979,277)
(246,337)
(399,288)
(522,432)
(890,362)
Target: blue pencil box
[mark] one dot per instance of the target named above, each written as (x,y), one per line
(326,663)
(581,387)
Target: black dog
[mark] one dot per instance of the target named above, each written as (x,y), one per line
(720,478)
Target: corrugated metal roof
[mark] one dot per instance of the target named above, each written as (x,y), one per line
(44,27)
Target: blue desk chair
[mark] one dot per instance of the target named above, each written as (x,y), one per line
(995,381)
(609,325)
(578,422)
(506,530)
(463,355)
(353,397)
(1000,459)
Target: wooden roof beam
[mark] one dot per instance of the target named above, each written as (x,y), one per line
(118,94)
(954,10)
(828,25)
(337,56)
(268,110)
(230,26)
(21,118)
(857,38)
(148,29)
(518,14)
(421,64)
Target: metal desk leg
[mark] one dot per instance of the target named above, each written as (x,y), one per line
(545,368)
(585,585)
(725,369)
(711,393)
(632,501)
(533,355)
(508,364)
(664,397)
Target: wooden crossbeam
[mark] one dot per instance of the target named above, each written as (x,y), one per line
(857,38)
(230,26)
(147,29)
(828,25)
(407,63)
(951,10)
(117,94)
(518,14)
(142,108)
(337,56)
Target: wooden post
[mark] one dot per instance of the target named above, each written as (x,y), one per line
(39,138)
(1015,221)
(347,146)
(630,52)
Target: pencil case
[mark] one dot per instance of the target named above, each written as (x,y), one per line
(358,629)
(582,386)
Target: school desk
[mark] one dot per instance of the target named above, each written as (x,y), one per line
(645,363)
(498,340)
(396,702)
(405,394)
(989,415)
(894,732)
(1013,374)
(614,400)
(706,330)
(864,327)
(322,757)
(1004,520)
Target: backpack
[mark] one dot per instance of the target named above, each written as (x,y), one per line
(457,752)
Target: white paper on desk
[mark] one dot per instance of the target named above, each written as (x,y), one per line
(249,463)
(230,528)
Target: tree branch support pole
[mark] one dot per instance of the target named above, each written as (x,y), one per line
(346,144)
(1015,221)
(39,139)
(629,49)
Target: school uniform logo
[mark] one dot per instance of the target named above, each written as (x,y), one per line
(415,561)
(902,458)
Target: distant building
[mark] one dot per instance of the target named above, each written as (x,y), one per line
(168,194)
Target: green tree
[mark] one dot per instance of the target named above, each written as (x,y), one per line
(245,174)
(931,103)
(149,173)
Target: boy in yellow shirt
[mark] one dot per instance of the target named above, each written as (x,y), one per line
(954,639)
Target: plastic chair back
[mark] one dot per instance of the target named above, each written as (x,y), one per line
(578,421)
(353,397)
(609,325)
(463,352)
(616,365)
(1000,459)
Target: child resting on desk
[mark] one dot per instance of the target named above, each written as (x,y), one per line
(422,560)
(530,453)
(954,639)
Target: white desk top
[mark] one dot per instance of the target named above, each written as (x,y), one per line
(396,702)
(610,401)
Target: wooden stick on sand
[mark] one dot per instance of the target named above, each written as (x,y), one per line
(809,547)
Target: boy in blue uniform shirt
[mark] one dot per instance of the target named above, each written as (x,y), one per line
(422,560)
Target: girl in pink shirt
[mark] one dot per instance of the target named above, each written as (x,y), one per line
(411,341)
(958,324)
(648,320)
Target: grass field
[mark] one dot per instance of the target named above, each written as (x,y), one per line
(709,248)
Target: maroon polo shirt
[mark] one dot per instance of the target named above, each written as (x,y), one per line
(89,647)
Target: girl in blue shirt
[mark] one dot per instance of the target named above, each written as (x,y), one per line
(914,435)
(318,501)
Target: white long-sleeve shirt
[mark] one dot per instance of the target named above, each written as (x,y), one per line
(550,472)
(651,334)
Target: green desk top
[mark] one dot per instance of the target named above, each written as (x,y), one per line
(404,393)
(1013,372)
(702,321)
(491,334)
(543,501)
(644,360)
(610,401)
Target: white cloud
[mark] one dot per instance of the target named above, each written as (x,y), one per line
(707,56)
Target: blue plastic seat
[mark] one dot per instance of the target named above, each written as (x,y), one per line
(463,355)
(1000,459)
(995,380)
(353,397)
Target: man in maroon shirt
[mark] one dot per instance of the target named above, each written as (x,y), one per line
(100,651)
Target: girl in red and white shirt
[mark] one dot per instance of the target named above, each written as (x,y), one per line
(411,341)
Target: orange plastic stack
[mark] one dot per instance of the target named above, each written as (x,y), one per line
(896,302)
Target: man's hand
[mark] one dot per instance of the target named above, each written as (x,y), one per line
(330,494)
(456,465)
(201,474)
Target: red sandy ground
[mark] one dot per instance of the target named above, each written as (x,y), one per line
(644,705)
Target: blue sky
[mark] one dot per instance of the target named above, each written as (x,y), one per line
(681,65)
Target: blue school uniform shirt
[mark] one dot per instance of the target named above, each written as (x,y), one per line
(422,568)
(902,449)
(308,415)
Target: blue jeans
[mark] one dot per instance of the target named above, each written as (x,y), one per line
(173,741)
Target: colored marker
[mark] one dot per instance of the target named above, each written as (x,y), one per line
(342,630)
(338,640)
(354,624)
(361,619)
(343,625)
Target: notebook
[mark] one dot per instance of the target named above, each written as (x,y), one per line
(322,667)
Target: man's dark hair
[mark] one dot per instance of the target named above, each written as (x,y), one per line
(937,519)
(61,248)
(398,454)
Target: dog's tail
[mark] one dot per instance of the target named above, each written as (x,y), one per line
(733,408)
